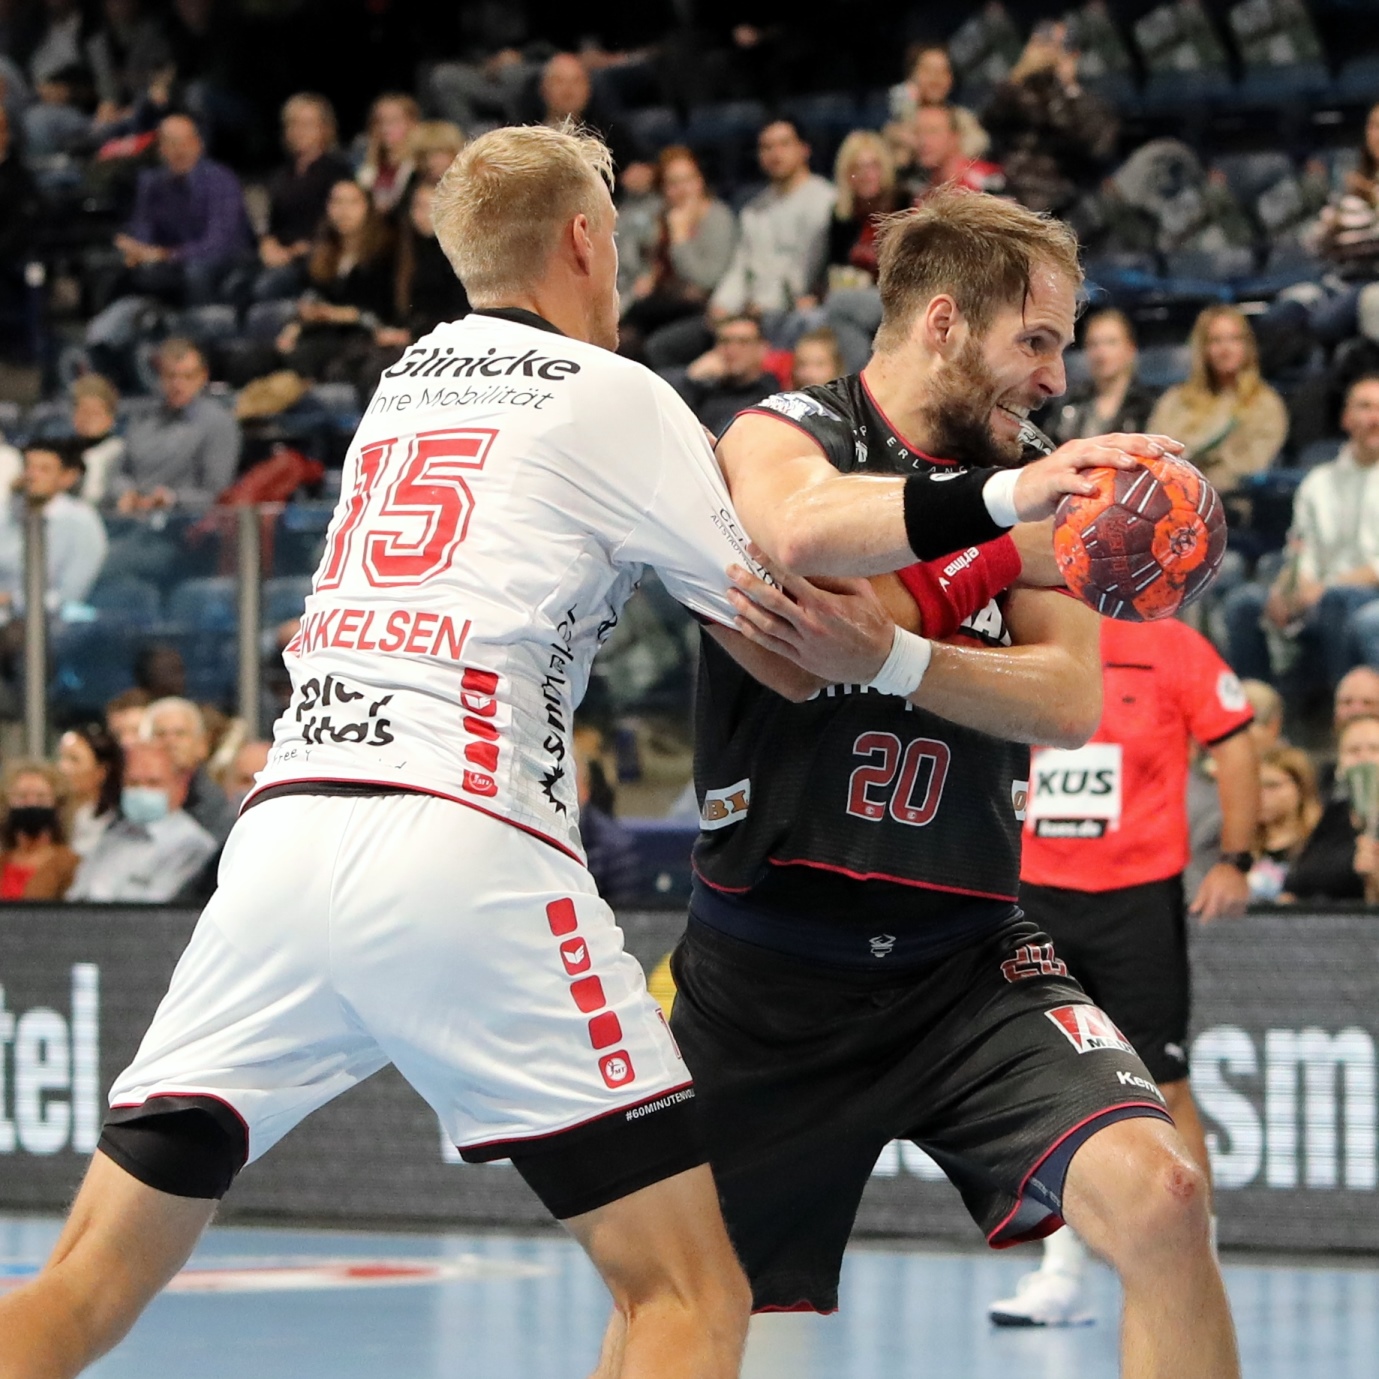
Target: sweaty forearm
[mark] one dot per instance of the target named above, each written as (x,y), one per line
(873,524)
(1037,694)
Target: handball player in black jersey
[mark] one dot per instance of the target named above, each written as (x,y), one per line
(855,969)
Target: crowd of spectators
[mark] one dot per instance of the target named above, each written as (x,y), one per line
(1233,292)
(133,810)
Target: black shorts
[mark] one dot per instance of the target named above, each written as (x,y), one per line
(991,1059)
(1128,949)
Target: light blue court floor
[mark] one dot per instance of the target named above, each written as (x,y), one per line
(280,1304)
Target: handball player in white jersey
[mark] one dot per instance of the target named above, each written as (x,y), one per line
(405,882)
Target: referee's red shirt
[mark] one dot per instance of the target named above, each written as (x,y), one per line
(1114,813)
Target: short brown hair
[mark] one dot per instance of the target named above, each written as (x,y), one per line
(977,248)
(1111,313)
(502,204)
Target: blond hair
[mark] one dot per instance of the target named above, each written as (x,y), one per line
(1294,763)
(1200,392)
(501,206)
(861,141)
(978,249)
(434,136)
(98,386)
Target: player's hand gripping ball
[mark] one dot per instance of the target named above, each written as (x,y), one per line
(1146,544)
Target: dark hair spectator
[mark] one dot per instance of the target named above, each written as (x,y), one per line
(817,359)
(57,121)
(76,543)
(297,193)
(352,277)
(930,82)
(1232,422)
(693,245)
(386,172)
(1051,136)
(35,861)
(95,407)
(124,714)
(1289,809)
(1111,399)
(730,376)
(428,290)
(1325,868)
(189,228)
(188,450)
(92,764)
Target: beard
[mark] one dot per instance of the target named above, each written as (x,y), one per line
(958,414)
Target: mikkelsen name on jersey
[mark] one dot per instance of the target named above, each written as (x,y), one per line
(421,362)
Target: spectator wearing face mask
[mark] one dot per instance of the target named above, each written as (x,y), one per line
(180,726)
(35,861)
(155,846)
(92,765)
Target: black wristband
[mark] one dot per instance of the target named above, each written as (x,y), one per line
(1241,861)
(946,512)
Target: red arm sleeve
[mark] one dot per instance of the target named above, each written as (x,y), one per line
(954,587)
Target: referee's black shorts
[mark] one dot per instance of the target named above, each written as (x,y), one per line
(991,1059)
(1128,949)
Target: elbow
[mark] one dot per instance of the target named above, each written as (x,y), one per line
(1076,719)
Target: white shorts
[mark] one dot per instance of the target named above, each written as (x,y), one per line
(351,932)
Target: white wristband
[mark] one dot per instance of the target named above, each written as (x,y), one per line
(904,668)
(998,493)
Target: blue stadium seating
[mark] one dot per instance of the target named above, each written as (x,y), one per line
(204,605)
(126,601)
(284,597)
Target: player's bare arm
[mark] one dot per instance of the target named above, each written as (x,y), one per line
(1044,689)
(813,520)
(1225,890)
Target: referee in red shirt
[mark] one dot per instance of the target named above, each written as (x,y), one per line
(1105,846)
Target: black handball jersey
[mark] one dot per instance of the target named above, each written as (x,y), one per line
(853,785)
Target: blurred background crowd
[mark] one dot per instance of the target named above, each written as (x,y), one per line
(215,233)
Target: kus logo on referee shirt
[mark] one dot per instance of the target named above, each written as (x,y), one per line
(1088,1029)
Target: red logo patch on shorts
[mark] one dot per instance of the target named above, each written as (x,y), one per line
(1088,1029)
(574,953)
(588,994)
(617,1068)
(604,1030)
(560,915)
(1033,960)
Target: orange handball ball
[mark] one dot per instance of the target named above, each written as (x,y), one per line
(1145,544)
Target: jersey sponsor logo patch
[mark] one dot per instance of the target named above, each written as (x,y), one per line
(725,806)
(1033,960)
(797,406)
(1019,798)
(1230,693)
(617,1068)
(1077,792)
(1088,1029)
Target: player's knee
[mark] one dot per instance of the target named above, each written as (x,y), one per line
(1168,1214)
(713,1295)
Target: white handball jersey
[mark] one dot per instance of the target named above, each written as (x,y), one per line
(505,490)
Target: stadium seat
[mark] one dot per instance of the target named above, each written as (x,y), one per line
(1210,265)
(92,663)
(284,597)
(655,128)
(209,604)
(126,600)
(264,320)
(299,538)
(1318,452)
(1162,366)
(1268,86)
(1175,91)
(663,851)
(1358,80)
(205,324)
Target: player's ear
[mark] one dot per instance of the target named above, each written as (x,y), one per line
(939,323)
(581,243)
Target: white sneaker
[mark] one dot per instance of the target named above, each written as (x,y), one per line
(1044,1298)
